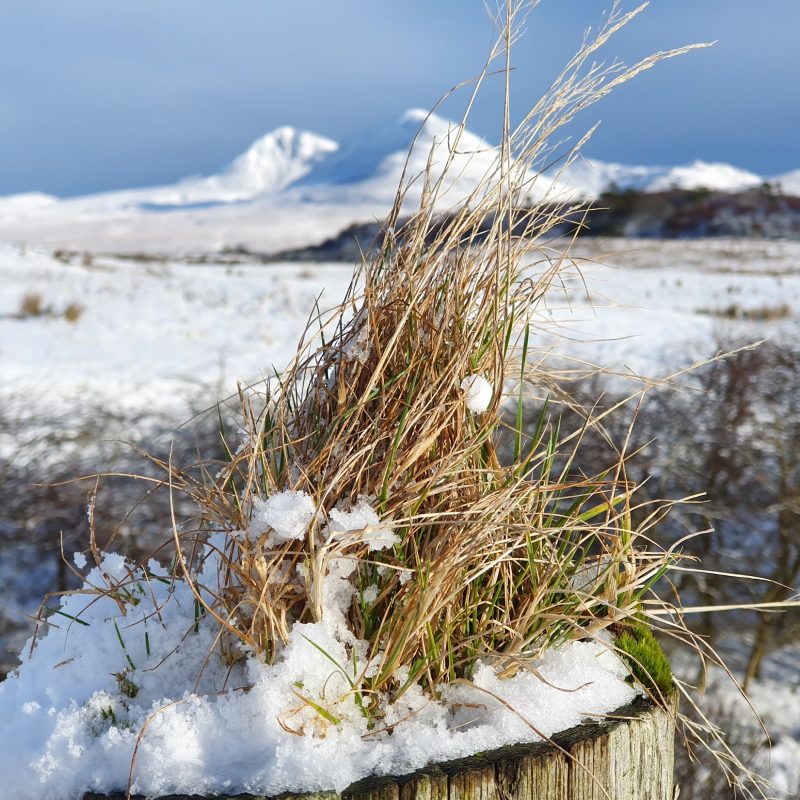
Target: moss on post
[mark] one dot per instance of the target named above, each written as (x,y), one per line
(646,658)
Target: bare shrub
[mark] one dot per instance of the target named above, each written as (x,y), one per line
(72,312)
(32,305)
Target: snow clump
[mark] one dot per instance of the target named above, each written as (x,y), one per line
(478,393)
(71,717)
(110,680)
(362,519)
(287,513)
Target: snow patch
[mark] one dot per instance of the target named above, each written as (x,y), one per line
(71,716)
(478,393)
(362,520)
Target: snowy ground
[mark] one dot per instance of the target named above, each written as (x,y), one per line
(150,334)
(154,341)
(156,334)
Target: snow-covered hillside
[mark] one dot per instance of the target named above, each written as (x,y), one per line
(16,205)
(789,182)
(589,178)
(269,165)
(370,166)
(294,188)
(705,175)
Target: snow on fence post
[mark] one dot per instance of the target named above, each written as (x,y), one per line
(629,757)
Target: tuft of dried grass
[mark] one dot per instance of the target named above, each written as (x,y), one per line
(72,312)
(497,558)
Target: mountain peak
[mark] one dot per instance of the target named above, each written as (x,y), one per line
(418,115)
(372,162)
(275,160)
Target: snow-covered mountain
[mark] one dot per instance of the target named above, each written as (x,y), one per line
(292,188)
(267,167)
(589,178)
(370,166)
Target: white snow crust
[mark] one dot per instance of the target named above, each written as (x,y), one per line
(70,720)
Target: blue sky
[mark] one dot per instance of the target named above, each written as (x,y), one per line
(99,94)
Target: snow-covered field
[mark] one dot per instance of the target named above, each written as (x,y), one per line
(150,333)
(155,340)
(158,334)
